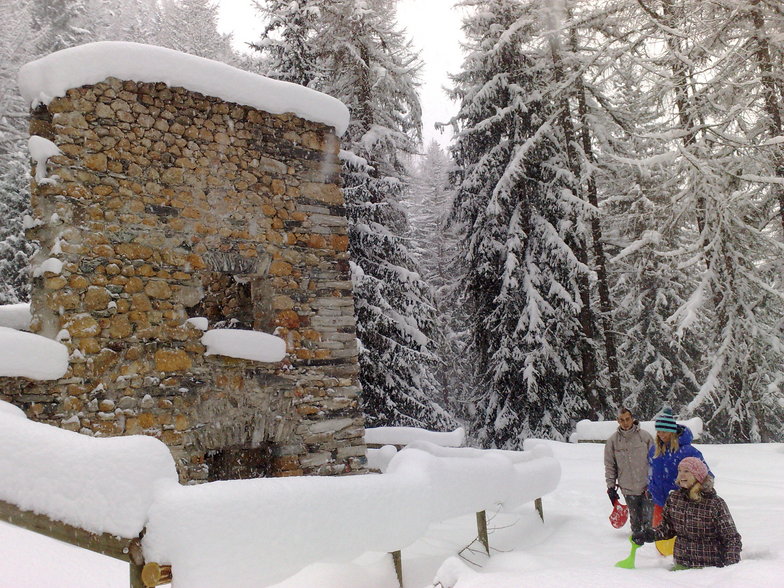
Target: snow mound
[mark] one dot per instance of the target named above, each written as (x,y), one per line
(26,355)
(407,435)
(242,344)
(49,77)
(9,409)
(16,316)
(101,485)
(213,534)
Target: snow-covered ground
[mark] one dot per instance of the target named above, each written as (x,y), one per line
(576,546)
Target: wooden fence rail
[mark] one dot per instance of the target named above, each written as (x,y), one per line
(122,548)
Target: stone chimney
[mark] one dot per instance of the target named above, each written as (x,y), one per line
(167,205)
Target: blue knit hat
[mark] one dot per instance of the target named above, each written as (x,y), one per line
(666,422)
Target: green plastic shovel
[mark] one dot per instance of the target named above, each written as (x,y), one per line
(628,563)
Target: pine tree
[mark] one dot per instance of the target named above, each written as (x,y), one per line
(710,216)
(18,41)
(287,41)
(515,201)
(191,26)
(59,24)
(434,246)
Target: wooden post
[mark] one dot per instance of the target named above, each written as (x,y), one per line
(136,559)
(538,505)
(136,576)
(481,530)
(398,562)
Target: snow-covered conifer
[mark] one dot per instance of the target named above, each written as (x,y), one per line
(517,208)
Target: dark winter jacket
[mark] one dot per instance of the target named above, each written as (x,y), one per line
(625,456)
(706,534)
(664,469)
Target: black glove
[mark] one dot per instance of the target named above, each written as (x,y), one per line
(613,494)
(647,535)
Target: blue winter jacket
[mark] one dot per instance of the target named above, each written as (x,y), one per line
(663,470)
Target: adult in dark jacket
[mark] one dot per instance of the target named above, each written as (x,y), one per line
(626,467)
(700,519)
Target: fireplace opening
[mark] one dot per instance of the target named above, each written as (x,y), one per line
(240,463)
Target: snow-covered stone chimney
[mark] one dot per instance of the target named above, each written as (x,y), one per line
(173,193)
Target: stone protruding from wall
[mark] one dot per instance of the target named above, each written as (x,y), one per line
(165,205)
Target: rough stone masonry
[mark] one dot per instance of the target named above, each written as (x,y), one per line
(165,205)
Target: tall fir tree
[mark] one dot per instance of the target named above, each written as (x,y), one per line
(698,281)
(434,245)
(515,201)
(18,42)
(287,42)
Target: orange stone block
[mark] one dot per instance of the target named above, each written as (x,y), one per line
(280,268)
(340,242)
(172,360)
(288,319)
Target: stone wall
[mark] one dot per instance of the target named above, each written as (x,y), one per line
(166,204)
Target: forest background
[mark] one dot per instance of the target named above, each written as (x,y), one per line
(605,228)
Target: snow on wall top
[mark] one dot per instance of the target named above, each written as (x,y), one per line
(407,435)
(16,316)
(601,430)
(102,485)
(252,345)
(52,76)
(27,355)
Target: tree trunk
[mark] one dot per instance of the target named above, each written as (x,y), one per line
(765,65)
(589,370)
(605,303)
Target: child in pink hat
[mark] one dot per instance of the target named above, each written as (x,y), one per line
(699,518)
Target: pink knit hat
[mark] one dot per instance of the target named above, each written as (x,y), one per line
(696,467)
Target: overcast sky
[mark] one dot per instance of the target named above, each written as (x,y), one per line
(434,27)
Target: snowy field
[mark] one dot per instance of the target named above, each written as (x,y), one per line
(576,546)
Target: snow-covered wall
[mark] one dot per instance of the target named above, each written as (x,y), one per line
(52,76)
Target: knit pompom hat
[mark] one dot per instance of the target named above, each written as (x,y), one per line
(696,466)
(666,422)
